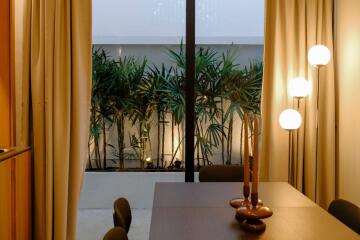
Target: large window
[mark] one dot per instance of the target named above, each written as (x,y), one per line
(138,104)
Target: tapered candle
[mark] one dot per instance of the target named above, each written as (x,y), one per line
(246,156)
(255,179)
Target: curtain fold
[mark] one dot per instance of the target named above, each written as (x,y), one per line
(292,27)
(53,59)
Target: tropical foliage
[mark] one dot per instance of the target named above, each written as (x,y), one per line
(128,90)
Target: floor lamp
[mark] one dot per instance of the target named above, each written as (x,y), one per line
(298,88)
(290,120)
(318,56)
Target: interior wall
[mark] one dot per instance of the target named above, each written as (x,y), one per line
(347,59)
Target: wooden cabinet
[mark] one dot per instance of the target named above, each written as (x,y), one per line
(15,197)
(6,200)
(23,190)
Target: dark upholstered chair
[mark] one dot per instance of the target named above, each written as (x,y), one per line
(220,173)
(116,233)
(122,214)
(347,213)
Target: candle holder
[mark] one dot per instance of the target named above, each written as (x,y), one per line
(241,202)
(250,212)
(250,216)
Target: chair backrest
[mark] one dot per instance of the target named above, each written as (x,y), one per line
(122,214)
(116,233)
(220,173)
(346,212)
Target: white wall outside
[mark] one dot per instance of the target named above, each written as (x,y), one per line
(158,54)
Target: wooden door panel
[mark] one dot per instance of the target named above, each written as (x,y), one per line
(23,196)
(6,218)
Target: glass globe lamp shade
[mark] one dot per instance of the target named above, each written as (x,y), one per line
(299,87)
(319,55)
(290,119)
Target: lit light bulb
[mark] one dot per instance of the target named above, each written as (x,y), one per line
(299,87)
(319,55)
(290,119)
(148,159)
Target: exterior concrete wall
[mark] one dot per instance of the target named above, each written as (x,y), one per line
(158,54)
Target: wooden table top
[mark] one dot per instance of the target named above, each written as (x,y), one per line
(195,211)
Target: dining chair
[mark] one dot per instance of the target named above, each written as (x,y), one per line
(347,212)
(122,214)
(116,233)
(221,173)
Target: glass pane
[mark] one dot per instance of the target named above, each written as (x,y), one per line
(138,95)
(229,41)
(229,37)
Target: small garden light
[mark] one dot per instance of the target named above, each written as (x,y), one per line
(149,163)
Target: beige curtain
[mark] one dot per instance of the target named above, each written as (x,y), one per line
(53,38)
(291,28)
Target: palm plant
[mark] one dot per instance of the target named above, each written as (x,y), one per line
(175,87)
(227,68)
(139,111)
(208,131)
(243,89)
(153,88)
(101,111)
(127,72)
(127,90)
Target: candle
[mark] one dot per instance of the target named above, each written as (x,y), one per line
(246,154)
(255,179)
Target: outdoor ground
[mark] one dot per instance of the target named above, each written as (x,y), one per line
(94,223)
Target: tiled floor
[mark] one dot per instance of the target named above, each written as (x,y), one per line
(94,223)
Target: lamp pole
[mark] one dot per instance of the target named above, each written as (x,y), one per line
(290,120)
(298,99)
(290,157)
(298,88)
(318,56)
(317,68)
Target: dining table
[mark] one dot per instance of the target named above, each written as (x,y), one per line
(201,211)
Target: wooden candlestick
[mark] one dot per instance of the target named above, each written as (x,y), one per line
(240,202)
(255,179)
(246,187)
(250,216)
